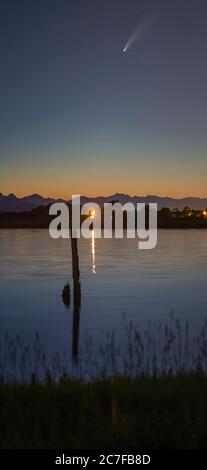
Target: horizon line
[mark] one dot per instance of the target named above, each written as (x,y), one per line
(103,196)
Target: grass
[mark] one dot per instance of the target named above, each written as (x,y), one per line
(147,412)
(161,349)
(151,393)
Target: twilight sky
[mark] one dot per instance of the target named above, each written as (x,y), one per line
(79,116)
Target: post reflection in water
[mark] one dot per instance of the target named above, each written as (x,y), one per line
(93,252)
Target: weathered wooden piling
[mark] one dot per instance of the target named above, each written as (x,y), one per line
(76,291)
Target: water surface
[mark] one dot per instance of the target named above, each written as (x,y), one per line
(116,279)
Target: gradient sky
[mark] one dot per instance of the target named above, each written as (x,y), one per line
(77,116)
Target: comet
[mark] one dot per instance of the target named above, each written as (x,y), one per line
(133,38)
(144,24)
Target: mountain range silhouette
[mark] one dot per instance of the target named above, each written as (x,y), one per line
(12,203)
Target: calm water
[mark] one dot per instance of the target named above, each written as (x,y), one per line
(116,278)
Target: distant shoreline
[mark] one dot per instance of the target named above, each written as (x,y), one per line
(39,218)
(41,227)
(159,228)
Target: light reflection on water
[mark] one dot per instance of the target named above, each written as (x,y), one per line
(93,251)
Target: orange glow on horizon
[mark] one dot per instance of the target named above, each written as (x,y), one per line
(60,182)
(58,194)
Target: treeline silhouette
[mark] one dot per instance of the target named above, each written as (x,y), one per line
(167,218)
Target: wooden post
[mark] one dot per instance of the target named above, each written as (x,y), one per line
(76,291)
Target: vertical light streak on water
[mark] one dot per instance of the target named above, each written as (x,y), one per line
(93,252)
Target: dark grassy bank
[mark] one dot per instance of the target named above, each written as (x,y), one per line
(166,412)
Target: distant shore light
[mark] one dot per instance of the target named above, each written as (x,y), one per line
(92,213)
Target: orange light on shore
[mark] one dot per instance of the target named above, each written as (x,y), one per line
(92,214)
(204,213)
